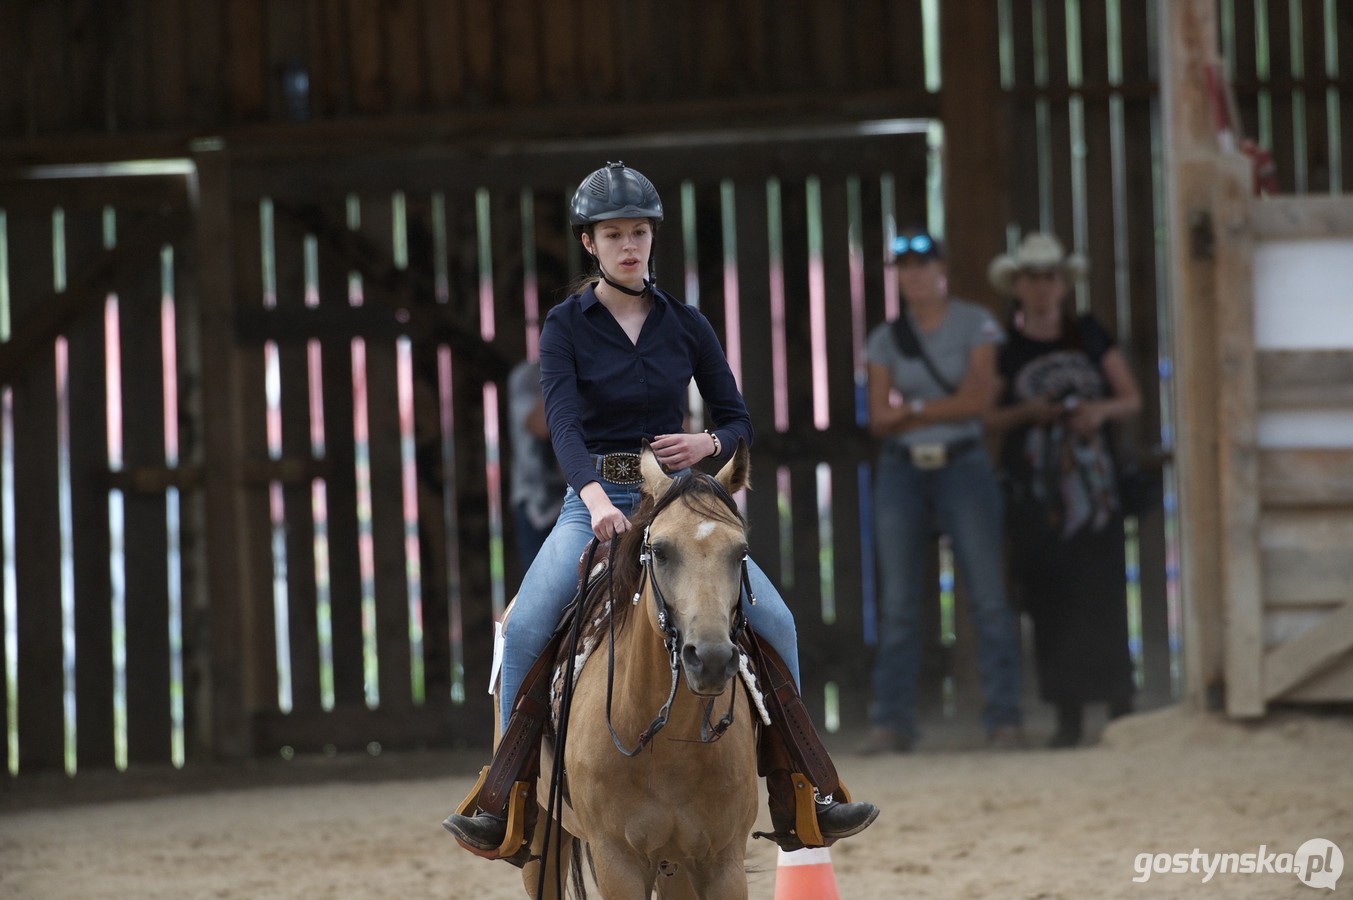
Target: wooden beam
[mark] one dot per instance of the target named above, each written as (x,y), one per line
(1305,379)
(1307,477)
(1303,216)
(1307,654)
(1306,558)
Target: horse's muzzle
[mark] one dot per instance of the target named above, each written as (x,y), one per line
(709,665)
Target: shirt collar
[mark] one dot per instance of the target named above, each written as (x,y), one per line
(589,298)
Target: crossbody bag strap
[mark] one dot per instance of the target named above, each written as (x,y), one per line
(909,345)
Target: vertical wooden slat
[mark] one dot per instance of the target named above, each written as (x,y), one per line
(756,326)
(89,506)
(715,34)
(1024,180)
(329,62)
(387,526)
(293,360)
(204,42)
(246,54)
(406,69)
(1316,127)
(1280,74)
(286,55)
(13,82)
(1098,202)
(519,58)
(87,49)
(37,539)
(129,78)
(47,70)
(444,41)
(560,60)
(481,43)
(975,146)
(340,464)
(845,501)
(370,87)
(148,721)
(1344,37)
(832,62)
(168,62)
(1059,131)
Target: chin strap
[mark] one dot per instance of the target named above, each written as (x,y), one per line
(648,285)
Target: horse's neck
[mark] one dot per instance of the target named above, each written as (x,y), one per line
(643,673)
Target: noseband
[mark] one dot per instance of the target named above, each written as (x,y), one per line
(671,634)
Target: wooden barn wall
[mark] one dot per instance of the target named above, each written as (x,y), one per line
(127,66)
(432,140)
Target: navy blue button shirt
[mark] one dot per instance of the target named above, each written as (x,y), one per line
(604,394)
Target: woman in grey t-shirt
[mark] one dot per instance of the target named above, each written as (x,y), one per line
(933,473)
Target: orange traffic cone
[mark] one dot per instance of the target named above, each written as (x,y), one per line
(805,875)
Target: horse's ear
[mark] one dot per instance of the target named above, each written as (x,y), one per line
(736,474)
(656,481)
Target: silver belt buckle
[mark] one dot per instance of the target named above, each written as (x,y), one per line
(621,468)
(928,456)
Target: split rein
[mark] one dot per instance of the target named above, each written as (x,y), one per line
(671,635)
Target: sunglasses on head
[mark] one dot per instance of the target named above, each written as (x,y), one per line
(921,244)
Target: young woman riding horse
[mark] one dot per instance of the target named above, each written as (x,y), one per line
(616,360)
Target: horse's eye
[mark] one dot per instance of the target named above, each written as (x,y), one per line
(660,554)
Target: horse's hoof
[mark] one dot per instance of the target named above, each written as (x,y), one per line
(483,831)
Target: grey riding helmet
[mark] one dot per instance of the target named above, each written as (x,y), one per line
(616,192)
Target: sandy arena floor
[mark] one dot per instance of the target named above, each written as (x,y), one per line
(955,824)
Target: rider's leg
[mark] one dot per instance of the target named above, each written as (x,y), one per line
(771,619)
(801,779)
(548,585)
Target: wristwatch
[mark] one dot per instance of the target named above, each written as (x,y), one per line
(916,407)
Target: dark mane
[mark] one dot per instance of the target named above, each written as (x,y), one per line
(700,492)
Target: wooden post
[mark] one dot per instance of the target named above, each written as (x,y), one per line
(229,602)
(976,143)
(1188,36)
(1238,451)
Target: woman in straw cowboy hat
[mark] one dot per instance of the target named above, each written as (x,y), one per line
(1064,380)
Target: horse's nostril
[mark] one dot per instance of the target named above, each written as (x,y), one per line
(690,657)
(714,660)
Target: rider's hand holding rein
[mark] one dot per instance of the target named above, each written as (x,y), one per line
(607,521)
(681,451)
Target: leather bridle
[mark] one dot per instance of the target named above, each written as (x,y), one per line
(671,634)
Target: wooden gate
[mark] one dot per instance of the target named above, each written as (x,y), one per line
(1286,458)
(258,500)
(95,464)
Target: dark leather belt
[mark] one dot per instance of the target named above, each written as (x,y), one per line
(618,468)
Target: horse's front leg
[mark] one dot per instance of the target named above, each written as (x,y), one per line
(721,877)
(530,873)
(621,872)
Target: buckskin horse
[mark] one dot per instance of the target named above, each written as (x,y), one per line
(660,739)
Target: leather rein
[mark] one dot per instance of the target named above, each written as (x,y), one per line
(671,635)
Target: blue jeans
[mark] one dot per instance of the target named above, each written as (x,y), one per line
(552,580)
(964,499)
